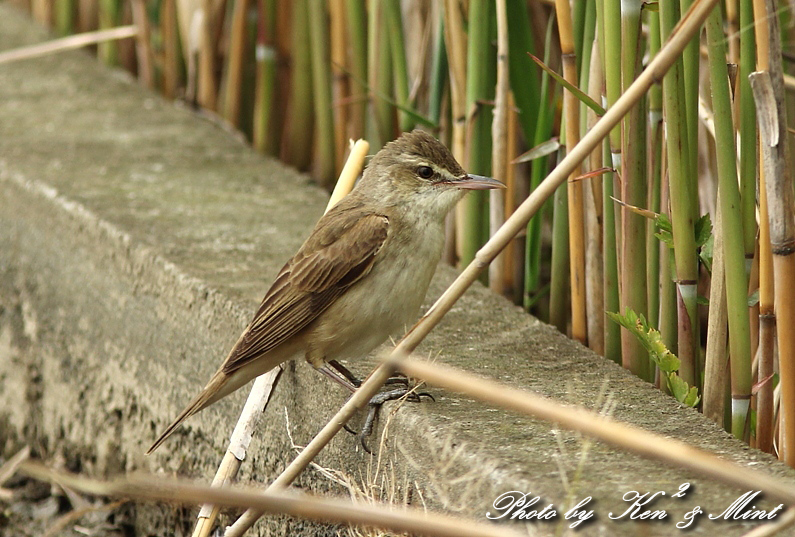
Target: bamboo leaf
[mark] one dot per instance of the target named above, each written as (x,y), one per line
(541,150)
(582,96)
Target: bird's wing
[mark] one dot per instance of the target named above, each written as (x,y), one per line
(340,251)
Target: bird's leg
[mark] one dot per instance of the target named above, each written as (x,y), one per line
(375,406)
(351,383)
(396,378)
(345,372)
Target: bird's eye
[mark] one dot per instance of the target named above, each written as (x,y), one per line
(426,172)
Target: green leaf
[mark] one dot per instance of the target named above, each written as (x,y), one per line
(701,300)
(705,253)
(703,229)
(692,398)
(583,97)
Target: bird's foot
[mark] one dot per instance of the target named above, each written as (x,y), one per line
(374,406)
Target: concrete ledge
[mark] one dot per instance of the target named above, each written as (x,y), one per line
(135,241)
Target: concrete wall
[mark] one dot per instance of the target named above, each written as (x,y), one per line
(136,239)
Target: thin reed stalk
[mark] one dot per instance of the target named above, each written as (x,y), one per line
(576,218)
(324,164)
(235,63)
(296,143)
(356,19)
(682,192)
(499,149)
(733,254)
(394,29)
(265,55)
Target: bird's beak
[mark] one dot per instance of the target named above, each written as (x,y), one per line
(476,182)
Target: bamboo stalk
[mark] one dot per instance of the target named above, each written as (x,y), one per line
(264,128)
(324,166)
(767,314)
(716,370)
(518,220)
(206,89)
(634,192)
(379,63)
(594,268)
(571,107)
(236,58)
(168,27)
(109,16)
(499,148)
(472,225)
(734,254)
(356,18)
(340,80)
(143,44)
(296,143)
(681,192)
(394,29)
(559,262)
(769,92)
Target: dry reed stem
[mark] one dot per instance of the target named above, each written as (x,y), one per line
(148,488)
(68,43)
(626,437)
(682,34)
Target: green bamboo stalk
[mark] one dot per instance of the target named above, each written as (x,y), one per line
(543,132)
(747,128)
(380,78)
(558,305)
(340,81)
(64,12)
(682,192)
(611,22)
(610,252)
(109,15)
(479,89)
(439,75)
(524,74)
(690,73)
(655,180)
(394,24)
(296,143)
(324,167)
(264,138)
(734,255)
(633,192)
(356,18)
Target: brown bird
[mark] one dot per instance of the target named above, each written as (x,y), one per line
(360,277)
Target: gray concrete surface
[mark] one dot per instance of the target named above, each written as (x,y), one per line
(136,238)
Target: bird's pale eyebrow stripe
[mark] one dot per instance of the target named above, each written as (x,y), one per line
(421,162)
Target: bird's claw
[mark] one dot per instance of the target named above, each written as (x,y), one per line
(374,406)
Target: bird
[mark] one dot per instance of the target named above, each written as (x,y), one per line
(360,277)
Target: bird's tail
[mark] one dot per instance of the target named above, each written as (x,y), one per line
(211,393)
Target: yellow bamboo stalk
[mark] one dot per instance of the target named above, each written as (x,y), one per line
(67,43)
(340,79)
(571,107)
(767,314)
(235,63)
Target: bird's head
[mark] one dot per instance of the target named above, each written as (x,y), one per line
(418,170)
